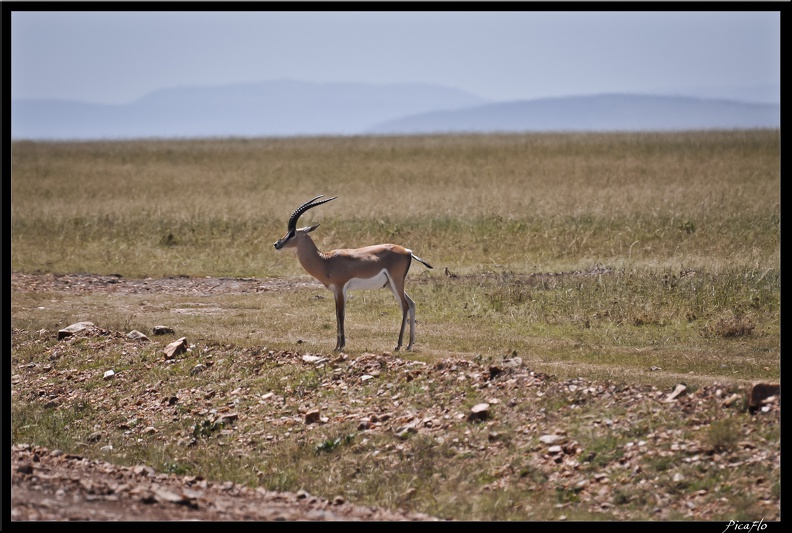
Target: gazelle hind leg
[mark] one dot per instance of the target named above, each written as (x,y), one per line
(405,307)
(404,304)
(411,306)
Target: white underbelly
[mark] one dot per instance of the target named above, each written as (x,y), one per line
(376,282)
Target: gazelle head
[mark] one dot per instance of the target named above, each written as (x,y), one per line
(290,239)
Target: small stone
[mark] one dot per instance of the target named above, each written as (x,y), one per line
(227,418)
(175,348)
(74,328)
(143,470)
(761,392)
(679,389)
(479,412)
(108,375)
(728,402)
(135,335)
(166,496)
(161,330)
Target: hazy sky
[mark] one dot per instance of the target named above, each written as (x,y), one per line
(111,57)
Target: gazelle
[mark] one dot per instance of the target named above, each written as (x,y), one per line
(372,267)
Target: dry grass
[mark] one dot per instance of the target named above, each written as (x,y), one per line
(638,259)
(528,202)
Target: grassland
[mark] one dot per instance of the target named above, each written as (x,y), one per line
(592,256)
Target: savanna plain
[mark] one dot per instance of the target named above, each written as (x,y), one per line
(599,307)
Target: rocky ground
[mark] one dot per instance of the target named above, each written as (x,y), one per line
(49,485)
(52,485)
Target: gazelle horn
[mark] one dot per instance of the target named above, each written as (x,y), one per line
(305,207)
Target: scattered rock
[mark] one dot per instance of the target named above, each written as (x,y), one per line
(197,369)
(404,431)
(73,329)
(494,372)
(167,496)
(227,418)
(550,439)
(110,374)
(161,330)
(312,417)
(313,359)
(761,393)
(513,362)
(479,412)
(175,348)
(135,335)
(677,391)
(143,470)
(728,402)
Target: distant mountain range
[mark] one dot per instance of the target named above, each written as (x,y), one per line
(290,108)
(606,112)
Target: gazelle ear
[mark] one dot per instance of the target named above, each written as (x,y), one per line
(309,229)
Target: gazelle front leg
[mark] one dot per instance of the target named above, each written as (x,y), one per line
(340,302)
